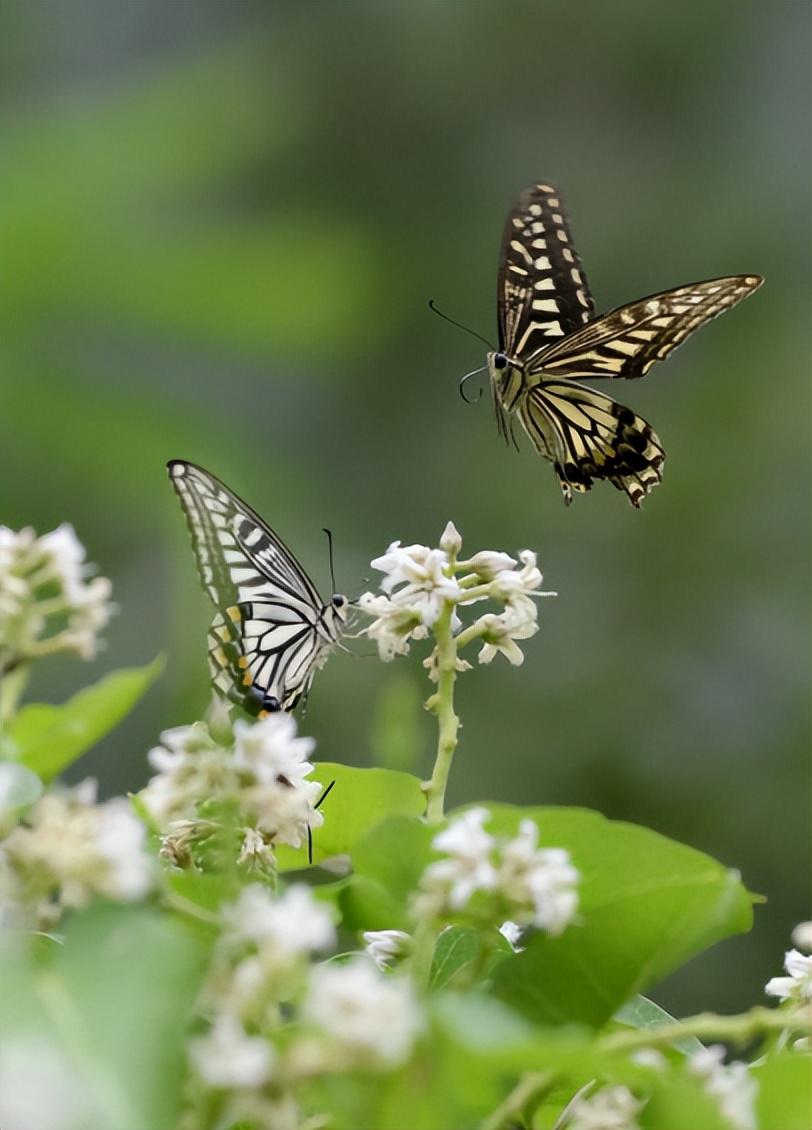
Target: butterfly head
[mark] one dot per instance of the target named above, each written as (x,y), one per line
(339,607)
(507,384)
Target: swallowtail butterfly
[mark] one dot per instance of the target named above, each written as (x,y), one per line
(272,630)
(549,337)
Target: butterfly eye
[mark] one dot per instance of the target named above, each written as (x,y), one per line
(499,361)
(338,600)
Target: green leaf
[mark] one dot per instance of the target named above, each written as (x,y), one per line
(359,800)
(784,1092)
(461,956)
(458,948)
(113,1004)
(19,787)
(366,904)
(387,864)
(642,1013)
(47,739)
(647,905)
(680,1103)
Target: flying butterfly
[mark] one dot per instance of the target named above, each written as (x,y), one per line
(272,629)
(549,337)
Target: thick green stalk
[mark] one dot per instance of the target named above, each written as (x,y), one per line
(442,704)
(12,684)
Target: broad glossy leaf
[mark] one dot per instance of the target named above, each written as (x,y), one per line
(648,904)
(359,800)
(47,739)
(784,1099)
(640,1012)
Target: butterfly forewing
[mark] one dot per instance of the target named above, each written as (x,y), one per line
(272,626)
(627,341)
(542,290)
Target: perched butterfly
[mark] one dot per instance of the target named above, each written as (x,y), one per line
(549,335)
(272,630)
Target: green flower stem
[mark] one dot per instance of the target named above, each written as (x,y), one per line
(13,682)
(740,1029)
(442,704)
(530,1088)
(423,943)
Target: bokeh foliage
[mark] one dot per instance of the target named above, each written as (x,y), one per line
(219,227)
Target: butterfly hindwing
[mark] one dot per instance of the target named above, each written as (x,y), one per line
(588,436)
(549,337)
(626,342)
(272,626)
(542,290)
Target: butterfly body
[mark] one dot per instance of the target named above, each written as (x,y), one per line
(550,340)
(272,630)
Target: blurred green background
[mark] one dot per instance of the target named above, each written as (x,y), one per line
(220,224)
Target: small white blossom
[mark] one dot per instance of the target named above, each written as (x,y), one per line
(294,922)
(383,946)
(517,587)
(451,542)
(424,576)
(371,1015)
(75,848)
(611,1108)
(255,852)
(270,749)
(798,985)
(512,933)
(227,1057)
(488,563)
(730,1084)
(651,1058)
(469,868)
(43,582)
(501,632)
(542,880)
(802,936)
(466,837)
(393,627)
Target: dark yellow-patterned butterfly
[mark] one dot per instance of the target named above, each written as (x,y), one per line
(549,336)
(272,630)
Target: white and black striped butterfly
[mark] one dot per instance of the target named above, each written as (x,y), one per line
(272,630)
(548,335)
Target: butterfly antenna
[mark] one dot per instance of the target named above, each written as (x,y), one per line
(318,804)
(330,547)
(459,325)
(473,373)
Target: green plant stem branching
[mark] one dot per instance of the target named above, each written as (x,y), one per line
(740,1029)
(441,704)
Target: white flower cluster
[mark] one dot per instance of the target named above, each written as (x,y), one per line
(797,985)
(610,1108)
(371,1020)
(731,1085)
(47,604)
(419,583)
(69,849)
(263,777)
(347,1015)
(523,883)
